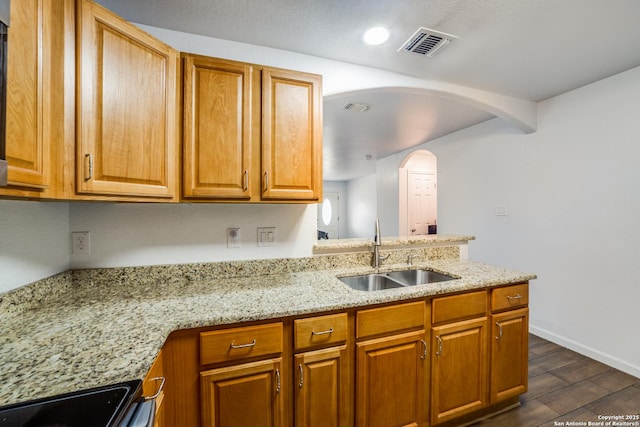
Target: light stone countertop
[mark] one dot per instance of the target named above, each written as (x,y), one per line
(91,334)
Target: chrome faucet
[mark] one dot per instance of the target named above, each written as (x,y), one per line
(377,242)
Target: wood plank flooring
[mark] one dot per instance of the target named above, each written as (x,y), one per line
(569,389)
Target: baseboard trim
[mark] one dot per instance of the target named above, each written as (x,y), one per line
(586,351)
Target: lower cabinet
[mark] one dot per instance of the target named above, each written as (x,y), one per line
(322,385)
(321,397)
(391,365)
(428,362)
(509,342)
(391,381)
(246,395)
(458,369)
(153,385)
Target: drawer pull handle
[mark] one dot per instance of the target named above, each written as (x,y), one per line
(301,382)
(516,296)
(266,181)
(439,352)
(424,350)
(499,325)
(156,379)
(246,181)
(251,344)
(277,380)
(329,331)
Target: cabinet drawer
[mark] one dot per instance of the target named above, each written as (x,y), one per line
(510,297)
(240,343)
(320,330)
(394,318)
(458,307)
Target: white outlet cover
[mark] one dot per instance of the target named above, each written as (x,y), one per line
(233,237)
(81,243)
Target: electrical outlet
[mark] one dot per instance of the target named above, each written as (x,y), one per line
(233,237)
(502,210)
(81,243)
(267,236)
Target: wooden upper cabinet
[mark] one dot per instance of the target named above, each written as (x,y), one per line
(291,135)
(34,77)
(250,133)
(217,134)
(127,120)
(26,144)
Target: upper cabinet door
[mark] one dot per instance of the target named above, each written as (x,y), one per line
(217,128)
(291,135)
(127,115)
(28,86)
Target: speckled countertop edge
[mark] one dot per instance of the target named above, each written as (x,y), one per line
(94,334)
(338,245)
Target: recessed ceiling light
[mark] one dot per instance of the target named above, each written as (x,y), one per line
(375,36)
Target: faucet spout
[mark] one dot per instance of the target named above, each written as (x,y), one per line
(377,242)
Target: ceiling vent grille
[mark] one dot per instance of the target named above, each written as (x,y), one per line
(427,42)
(359,108)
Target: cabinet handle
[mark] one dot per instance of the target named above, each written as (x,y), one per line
(251,344)
(516,296)
(245,181)
(424,350)
(329,331)
(277,380)
(301,382)
(89,162)
(499,325)
(159,390)
(266,180)
(439,352)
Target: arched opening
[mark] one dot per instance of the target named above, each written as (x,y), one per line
(418,194)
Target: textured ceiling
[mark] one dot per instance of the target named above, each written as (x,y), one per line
(530,49)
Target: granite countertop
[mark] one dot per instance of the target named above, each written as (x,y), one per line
(339,245)
(91,334)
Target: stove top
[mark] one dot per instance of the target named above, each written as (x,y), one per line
(96,407)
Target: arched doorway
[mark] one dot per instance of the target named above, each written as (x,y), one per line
(418,194)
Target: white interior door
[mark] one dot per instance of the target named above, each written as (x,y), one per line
(328,215)
(422,202)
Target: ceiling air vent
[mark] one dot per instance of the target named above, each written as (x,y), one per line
(427,42)
(358,108)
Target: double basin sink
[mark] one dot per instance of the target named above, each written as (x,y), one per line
(394,279)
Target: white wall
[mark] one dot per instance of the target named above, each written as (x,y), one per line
(155,234)
(34,241)
(362,207)
(571,190)
(339,187)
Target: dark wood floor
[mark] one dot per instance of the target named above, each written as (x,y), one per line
(566,388)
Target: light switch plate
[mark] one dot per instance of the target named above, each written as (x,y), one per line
(267,236)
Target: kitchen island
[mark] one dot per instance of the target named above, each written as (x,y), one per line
(88,328)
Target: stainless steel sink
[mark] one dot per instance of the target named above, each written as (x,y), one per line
(418,277)
(371,282)
(393,279)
